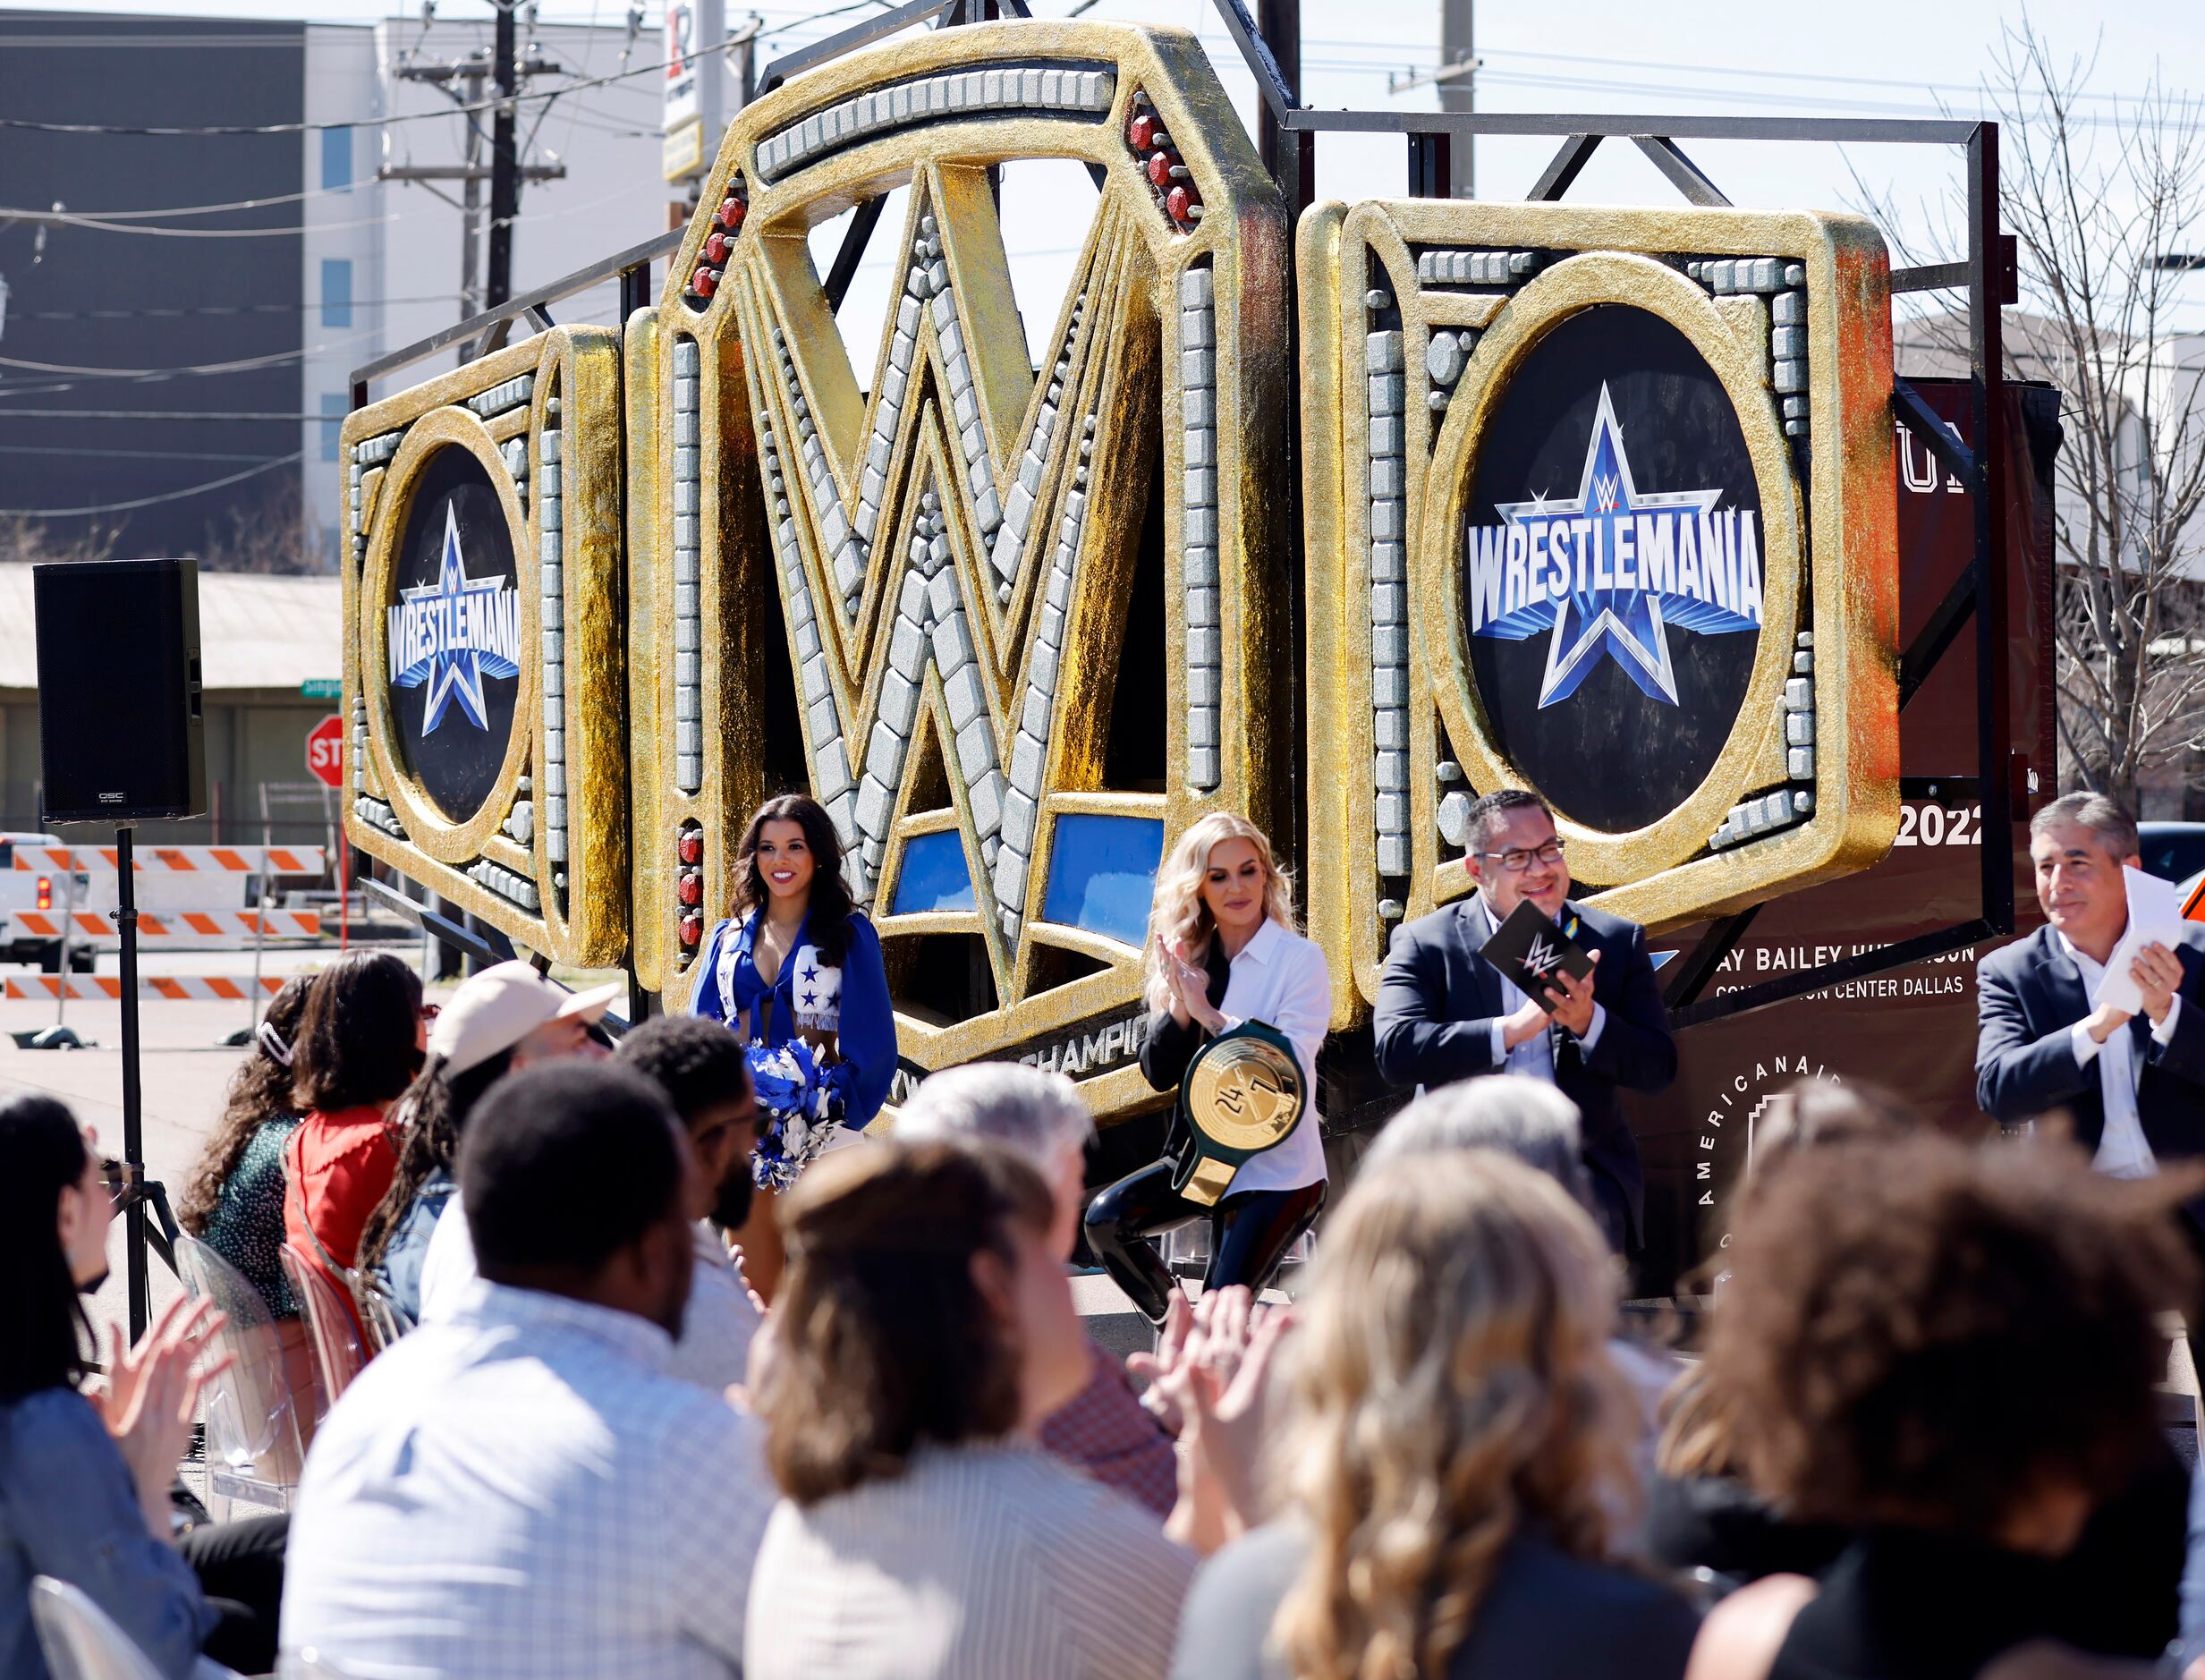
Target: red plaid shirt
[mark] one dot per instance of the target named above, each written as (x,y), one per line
(1106,1431)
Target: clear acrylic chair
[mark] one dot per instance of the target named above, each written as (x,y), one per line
(335,1339)
(383,1320)
(253,1449)
(80,1640)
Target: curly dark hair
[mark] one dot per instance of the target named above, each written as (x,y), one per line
(886,1342)
(698,1063)
(830,903)
(1921,1333)
(434,1112)
(260,1092)
(357,1040)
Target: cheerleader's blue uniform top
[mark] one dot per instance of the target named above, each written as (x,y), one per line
(822,1039)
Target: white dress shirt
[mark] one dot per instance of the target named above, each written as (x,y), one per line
(1281,979)
(521,1489)
(721,1318)
(716,1327)
(2122,1149)
(982,1561)
(1534,1057)
(448,1263)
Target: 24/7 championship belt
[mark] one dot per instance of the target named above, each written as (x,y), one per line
(1242,1094)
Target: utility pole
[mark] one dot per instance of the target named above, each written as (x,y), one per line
(1459,92)
(505,163)
(1457,81)
(463,81)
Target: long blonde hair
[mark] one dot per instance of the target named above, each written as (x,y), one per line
(1452,1384)
(1178,912)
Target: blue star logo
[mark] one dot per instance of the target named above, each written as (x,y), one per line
(1609,572)
(453,633)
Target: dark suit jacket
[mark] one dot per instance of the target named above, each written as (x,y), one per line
(1439,1000)
(2027,997)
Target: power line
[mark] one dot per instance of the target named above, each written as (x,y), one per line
(35,126)
(243,365)
(302,308)
(195,415)
(98,224)
(149,501)
(127,454)
(193,209)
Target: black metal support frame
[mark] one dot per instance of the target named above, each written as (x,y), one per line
(1988,276)
(1286,137)
(484,946)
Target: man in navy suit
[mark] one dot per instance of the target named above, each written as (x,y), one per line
(1446,1013)
(2132,1085)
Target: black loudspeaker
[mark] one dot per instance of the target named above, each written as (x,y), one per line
(120,729)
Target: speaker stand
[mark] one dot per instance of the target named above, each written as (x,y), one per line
(133,1117)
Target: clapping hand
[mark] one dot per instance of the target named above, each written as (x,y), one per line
(1190,985)
(153,1394)
(1216,1384)
(2158,974)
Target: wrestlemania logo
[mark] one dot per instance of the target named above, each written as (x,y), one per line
(1608,572)
(452,634)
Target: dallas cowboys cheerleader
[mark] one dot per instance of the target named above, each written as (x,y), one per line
(796,971)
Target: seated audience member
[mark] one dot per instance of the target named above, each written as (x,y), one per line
(234,1200)
(85,1476)
(923,1327)
(1952,1353)
(520,1486)
(502,1019)
(701,1068)
(1104,1429)
(358,1045)
(1461,1440)
(1535,1123)
(1700,1511)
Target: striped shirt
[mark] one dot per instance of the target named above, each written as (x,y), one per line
(988,1561)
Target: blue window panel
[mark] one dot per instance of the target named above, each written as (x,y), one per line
(333,409)
(336,292)
(336,159)
(934,876)
(1102,874)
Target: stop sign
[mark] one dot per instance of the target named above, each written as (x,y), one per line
(325,752)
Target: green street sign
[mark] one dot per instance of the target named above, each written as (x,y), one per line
(322,688)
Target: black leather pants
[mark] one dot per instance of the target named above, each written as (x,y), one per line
(1249,1233)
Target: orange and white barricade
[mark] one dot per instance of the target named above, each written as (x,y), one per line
(177,859)
(168,927)
(108,988)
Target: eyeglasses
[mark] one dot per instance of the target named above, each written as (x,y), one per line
(1518,859)
(114,1178)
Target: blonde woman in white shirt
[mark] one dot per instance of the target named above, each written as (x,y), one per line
(1223,950)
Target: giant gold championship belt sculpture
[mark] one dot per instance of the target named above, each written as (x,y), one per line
(483,650)
(1567,476)
(1603,507)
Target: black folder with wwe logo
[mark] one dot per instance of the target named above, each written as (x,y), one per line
(1535,954)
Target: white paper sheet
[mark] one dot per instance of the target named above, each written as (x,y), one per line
(2154,917)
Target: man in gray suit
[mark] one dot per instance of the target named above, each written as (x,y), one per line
(1446,1013)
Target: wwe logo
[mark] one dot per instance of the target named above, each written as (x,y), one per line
(1604,494)
(1539,960)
